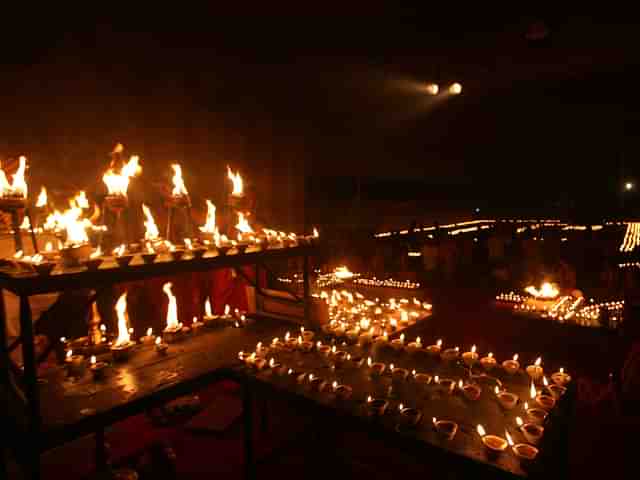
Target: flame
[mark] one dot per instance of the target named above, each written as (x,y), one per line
(369,399)
(436,379)
(401,406)
(207,308)
(72,223)
(179,189)
(119,251)
(188,243)
(149,331)
(545,381)
(210,223)
(561,370)
(272,362)
(509,439)
(404,316)
(69,353)
(315,232)
(490,355)
(118,183)
(481,431)
(418,342)
(42,198)
(547,290)
(227,309)
(515,357)
(473,349)
(48,247)
(121,312)
(519,421)
(236,179)
(26,224)
(497,390)
(172,310)
(18,187)
(93,360)
(402,338)
(243,225)
(158,340)
(151,229)
(538,362)
(342,273)
(532,391)
(526,406)
(439,343)
(80,200)
(460,384)
(369,361)
(96,253)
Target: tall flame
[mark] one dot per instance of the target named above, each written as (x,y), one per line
(207,308)
(42,198)
(70,221)
(532,391)
(236,179)
(151,229)
(210,224)
(18,187)
(80,200)
(243,224)
(179,188)
(172,310)
(123,330)
(118,183)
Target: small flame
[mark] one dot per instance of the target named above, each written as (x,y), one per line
(96,253)
(158,340)
(118,183)
(18,255)
(290,371)
(69,353)
(210,223)
(490,355)
(243,224)
(538,362)
(149,247)
(149,331)
(526,406)
(179,189)
(93,360)
(121,312)
(561,370)
(48,247)
(369,361)
(42,198)
(436,379)
(188,243)
(287,336)
(151,229)
(401,407)
(334,385)
(545,381)
(481,431)
(515,357)
(72,222)
(532,391)
(227,309)
(315,232)
(272,362)
(519,421)
(119,251)
(172,310)
(207,308)
(80,200)
(509,439)
(404,316)
(473,349)
(391,367)
(402,338)
(369,399)
(439,343)
(236,179)
(460,384)
(418,342)
(333,349)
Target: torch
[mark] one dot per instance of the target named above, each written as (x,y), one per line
(179,201)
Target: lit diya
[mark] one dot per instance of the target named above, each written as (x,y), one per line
(471,357)
(434,350)
(174,328)
(450,354)
(507,400)
(471,391)
(161,347)
(97,368)
(532,432)
(398,343)
(122,257)
(75,364)
(488,362)
(535,370)
(375,369)
(409,417)
(376,406)
(561,378)
(495,445)
(511,366)
(414,347)
(121,348)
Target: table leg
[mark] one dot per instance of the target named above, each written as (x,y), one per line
(247,411)
(31,390)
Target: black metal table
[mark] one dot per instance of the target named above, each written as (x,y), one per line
(50,412)
(466,447)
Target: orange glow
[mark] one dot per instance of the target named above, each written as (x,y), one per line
(118,183)
(547,290)
(509,439)
(80,200)
(123,330)
(151,229)
(207,308)
(210,223)
(243,224)
(42,198)
(481,431)
(455,88)
(72,223)
(172,310)
(179,188)
(532,391)
(236,179)
(18,187)
(433,89)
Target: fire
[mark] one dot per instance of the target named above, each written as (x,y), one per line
(18,187)
(72,223)
(236,179)
(481,431)
(243,225)
(342,273)
(151,229)
(96,253)
(547,290)
(172,310)
(439,343)
(123,330)
(80,200)
(119,251)
(515,357)
(315,232)
(509,439)
(118,183)
(42,198)
(207,308)
(473,349)
(519,421)
(210,223)
(532,391)
(179,189)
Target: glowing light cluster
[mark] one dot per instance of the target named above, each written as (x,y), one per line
(631,238)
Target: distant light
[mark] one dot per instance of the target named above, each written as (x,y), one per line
(628,186)
(477,210)
(433,88)
(455,88)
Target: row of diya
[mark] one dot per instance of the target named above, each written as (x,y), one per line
(545,398)
(123,256)
(122,346)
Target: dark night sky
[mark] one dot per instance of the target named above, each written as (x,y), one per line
(548,118)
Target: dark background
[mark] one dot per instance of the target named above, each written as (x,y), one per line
(325,114)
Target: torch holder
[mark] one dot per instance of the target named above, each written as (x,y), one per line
(75,255)
(13,206)
(116,204)
(175,205)
(237,202)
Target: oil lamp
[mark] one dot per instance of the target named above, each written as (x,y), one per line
(173,328)
(123,345)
